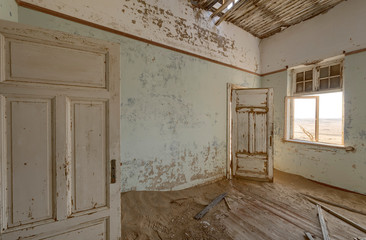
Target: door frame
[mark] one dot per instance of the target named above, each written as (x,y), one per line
(229,157)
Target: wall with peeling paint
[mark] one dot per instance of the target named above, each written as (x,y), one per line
(173,110)
(9,10)
(340,29)
(328,165)
(173,23)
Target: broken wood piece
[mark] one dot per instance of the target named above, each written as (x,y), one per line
(309,236)
(209,206)
(323,225)
(349,221)
(335,204)
(228,13)
(221,8)
(227,203)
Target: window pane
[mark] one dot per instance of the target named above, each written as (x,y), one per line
(335,70)
(309,75)
(330,118)
(299,77)
(335,82)
(323,84)
(308,86)
(304,119)
(324,72)
(299,87)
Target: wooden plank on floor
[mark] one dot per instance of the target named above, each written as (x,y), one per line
(349,221)
(323,225)
(335,204)
(309,236)
(209,206)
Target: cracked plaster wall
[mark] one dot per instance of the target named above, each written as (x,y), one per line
(173,110)
(173,23)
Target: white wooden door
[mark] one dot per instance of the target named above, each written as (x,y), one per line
(59,135)
(252,133)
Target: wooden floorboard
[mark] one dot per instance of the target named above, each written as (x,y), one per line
(275,210)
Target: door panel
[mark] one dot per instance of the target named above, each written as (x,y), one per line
(59,133)
(34,62)
(94,232)
(243,137)
(89,149)
(30,159)
(252,130)
(260,133)
(252,98)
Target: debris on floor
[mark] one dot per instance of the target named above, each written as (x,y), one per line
(250,210)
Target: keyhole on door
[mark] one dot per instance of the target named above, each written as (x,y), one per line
(113,171)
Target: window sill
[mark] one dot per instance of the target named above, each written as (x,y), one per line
(348,148)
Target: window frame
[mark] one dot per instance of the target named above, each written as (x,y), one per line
(289,112)
(316,77)
(292,94)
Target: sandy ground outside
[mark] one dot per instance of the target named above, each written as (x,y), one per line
(330,130)
(259,210)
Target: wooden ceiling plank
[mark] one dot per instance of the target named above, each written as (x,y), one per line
(229,12)
(249,11)
(246,11)
(284,20)
(220,9)
(297,18)
(211,4)
(263,18)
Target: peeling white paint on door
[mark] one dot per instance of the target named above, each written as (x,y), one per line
(252,132)
(173,23)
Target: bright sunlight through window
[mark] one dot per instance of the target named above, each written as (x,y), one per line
(329,117)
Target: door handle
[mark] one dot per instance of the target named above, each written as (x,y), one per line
(113,171)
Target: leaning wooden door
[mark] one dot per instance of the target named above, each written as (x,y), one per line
(59,135)
(252,133)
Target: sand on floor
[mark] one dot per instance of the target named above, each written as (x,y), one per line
(259,210)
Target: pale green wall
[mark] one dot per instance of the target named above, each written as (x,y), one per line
(173,117)
(9,10)
(331,166)
(173,110)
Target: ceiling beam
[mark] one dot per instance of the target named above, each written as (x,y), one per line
(220,9)
(230,11)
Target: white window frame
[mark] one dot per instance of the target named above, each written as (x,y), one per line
(316,77)
(289,118)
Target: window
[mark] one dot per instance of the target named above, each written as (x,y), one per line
(314,111)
